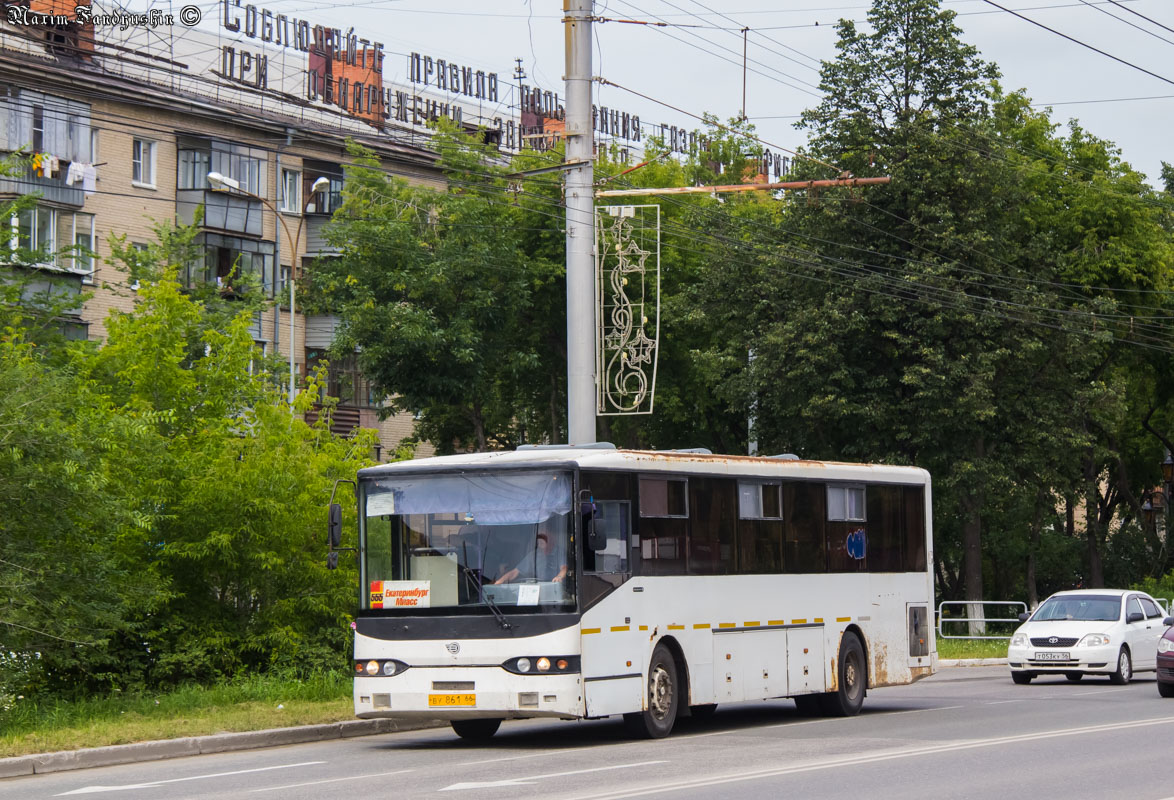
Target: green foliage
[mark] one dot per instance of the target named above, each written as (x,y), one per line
(166,508)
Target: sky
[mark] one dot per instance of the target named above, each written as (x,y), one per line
(700,69)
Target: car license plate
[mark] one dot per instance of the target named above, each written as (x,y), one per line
(452,699)
(1051,657)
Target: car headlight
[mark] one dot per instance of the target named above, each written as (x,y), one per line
(1165,645)
(1095,640)
(1019,640)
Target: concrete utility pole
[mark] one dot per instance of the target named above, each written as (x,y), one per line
(580,201)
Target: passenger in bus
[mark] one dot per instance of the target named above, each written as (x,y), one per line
(542,564)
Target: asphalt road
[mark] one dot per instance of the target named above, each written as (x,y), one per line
(964,733)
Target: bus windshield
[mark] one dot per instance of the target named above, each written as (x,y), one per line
(499,540)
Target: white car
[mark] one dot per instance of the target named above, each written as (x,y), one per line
(1111,632)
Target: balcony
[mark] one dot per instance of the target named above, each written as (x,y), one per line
(316,244)
(51,190)
(222,211)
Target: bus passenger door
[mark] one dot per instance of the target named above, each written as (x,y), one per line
(614,655)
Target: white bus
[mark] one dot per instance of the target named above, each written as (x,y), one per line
(585,582)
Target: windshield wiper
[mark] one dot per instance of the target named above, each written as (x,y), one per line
(501,620)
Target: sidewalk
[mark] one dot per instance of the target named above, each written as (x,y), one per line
(250,740)
(197,745)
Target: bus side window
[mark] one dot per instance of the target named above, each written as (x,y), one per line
(804,510)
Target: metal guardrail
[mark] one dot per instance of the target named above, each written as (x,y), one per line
(943,620)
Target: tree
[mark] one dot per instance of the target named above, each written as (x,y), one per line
(437,291)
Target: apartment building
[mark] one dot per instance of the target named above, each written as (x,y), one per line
(126,126)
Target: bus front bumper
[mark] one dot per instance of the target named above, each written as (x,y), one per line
(468,693)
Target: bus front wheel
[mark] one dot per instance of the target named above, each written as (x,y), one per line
(661,704)
(476,729)
(851,680)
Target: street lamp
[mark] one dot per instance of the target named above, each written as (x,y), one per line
(223,183)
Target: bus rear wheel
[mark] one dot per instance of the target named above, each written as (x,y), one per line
(476,729)
(663,699)
(851,680)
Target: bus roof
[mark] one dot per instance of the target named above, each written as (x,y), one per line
(609,458)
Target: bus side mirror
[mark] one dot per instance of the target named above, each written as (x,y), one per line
(596,539)
(334,526)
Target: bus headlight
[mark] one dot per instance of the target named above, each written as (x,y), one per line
(549,664)
(388,667)
(372,667)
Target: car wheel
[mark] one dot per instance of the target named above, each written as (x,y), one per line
(1021,678)
(851,680)
(1166,689)
(1074,676)
(476,729)
(1124,671)
(663,697)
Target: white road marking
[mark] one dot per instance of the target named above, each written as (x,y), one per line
(152,784)
(528,755)
(331,780)
(850,761)
(532,778)
(843,720)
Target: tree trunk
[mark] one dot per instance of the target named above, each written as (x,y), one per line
(972,562)
(1092,525)
(479,429)
(1032,549)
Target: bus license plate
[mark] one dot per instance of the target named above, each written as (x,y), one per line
(452,699)
(1051,657)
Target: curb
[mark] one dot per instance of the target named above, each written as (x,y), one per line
(972,662)
(44,763)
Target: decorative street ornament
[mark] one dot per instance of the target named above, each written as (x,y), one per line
(627,270)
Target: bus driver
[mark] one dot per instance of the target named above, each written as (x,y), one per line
(544,564)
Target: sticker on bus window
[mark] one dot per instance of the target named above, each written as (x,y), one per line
(407,594)
(528,594)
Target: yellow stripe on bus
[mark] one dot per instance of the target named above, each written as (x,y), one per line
(700,626)
(590,630)
(798,622)
(643,627)
(676,627)
(726,625)
(776,622)
(818,619)
(753,624)
(843,619)
(619,628)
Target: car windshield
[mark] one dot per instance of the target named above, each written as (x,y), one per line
(465,540)
(1097,608)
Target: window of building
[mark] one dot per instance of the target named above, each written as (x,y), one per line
(193,169)
(84,243)
(142,163)
(327,201)
(845,503)
(38,128)
(231,262)
(94,146)
(290,197)
(35,229)
(344,380)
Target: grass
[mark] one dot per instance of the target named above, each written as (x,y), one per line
(253,703)
(972,648)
